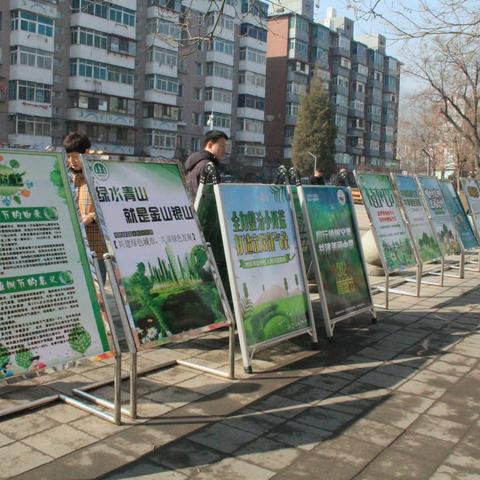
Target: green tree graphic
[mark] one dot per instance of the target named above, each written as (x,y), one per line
(79,339)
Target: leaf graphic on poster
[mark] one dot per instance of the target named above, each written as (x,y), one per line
(79,339)
(279,193)
(56,179)
(24,358)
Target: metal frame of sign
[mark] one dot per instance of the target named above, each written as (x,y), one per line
(387,289)
(445,264)
(246,351)
(475,219)
(421,272)
(329,321)
(101,297)
(121,302)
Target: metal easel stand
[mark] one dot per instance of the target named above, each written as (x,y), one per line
(452,265)
(115,405)
(134,373)
(470,261)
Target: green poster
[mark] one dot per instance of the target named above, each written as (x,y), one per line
(50,314)
(163,267)
(422,232)
(393,239)
(338,250)
(302,230)
(270,294)
(472,193)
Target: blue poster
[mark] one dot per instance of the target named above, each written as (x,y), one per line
(464,229)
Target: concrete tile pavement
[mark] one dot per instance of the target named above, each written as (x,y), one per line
(398,399)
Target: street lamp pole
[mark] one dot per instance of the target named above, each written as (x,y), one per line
(315,164)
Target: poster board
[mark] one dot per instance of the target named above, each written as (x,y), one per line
(460,219)
(442,221)
(417,217)
(166,276)
(50,312)
(393,239)
(337,250)
(471,189)
(265,266)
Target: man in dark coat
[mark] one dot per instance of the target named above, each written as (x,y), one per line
(214,146)
(342,178)
(317,178)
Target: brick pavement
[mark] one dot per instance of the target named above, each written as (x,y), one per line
(398,399)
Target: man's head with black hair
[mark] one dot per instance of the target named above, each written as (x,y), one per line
(215,142)
(76,143)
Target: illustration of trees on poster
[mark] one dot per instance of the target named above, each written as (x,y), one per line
(393,238)
(265,260)
(441,218)
(422,232)
(338,249)
(150,227)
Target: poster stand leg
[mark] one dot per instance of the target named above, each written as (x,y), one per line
(134,373)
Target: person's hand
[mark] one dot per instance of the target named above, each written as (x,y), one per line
(88,219)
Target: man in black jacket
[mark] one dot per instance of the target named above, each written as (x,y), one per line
(214,146)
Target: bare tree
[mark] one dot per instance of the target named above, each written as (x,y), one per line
(422,18)
(450,67)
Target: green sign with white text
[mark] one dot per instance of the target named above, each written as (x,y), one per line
(50,314)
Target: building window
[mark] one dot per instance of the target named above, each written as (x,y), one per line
(162,56)
(194,144)
(162,83)
(252,55)
(357,105)
(32,23)
(340,81)
(108,11)
(26,125)
(297,48)
(100,71)
(160,110)
(248,30)
(219,120)
(292,109)
(32,57)
(218,95)
(86,36)
(250,125)
(161,139)
(29,91)
(222,46)
(221,70)
(251,78)
(362,69)
(249,101)
(158,26)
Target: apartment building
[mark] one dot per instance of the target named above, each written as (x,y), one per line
(362,80)
(139,77)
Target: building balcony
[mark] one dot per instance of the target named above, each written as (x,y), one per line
(159,152)
(161,69)
(158,40)
(243,112)
(219,57)
(40,8)
(102,56)
(252,66)
(354,150)
(157,96)
(25,72)
(26,107)
(32,40)
(33,140)
(101,86)
(246,41)
(219,107)
(247,89)
(356,132)
(160,124)
(218,82)
(95,116)
(114,148)
(252,137)
(103,25)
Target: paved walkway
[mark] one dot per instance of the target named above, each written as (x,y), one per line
(398,399)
